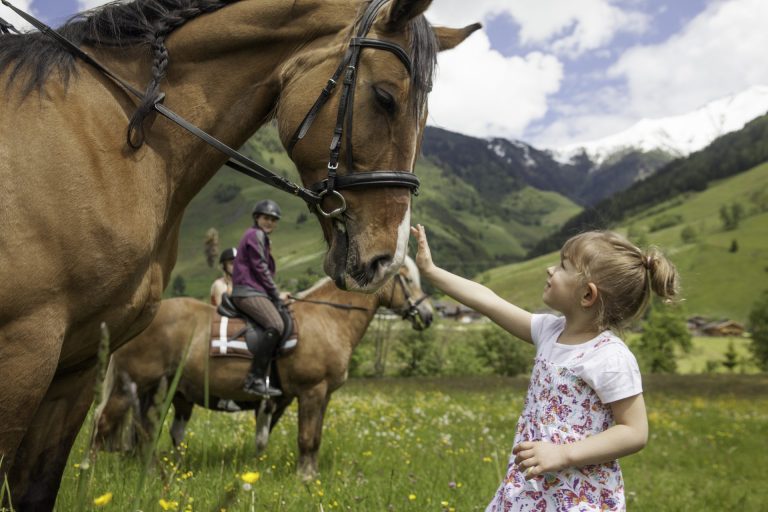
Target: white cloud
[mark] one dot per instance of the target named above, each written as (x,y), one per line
(565,27)
(13,18)
(718,53)
(480,92)
(721,51)
(84,5)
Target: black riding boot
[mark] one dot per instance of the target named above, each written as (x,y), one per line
(255,382)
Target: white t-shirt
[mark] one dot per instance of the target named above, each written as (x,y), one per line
(608,366)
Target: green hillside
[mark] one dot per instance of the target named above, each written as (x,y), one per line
(463,226)
(716,281)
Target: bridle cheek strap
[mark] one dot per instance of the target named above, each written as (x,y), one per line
(344,117)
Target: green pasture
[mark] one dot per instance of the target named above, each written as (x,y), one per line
(716,282)
(436,445)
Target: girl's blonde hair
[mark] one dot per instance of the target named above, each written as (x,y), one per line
(624,275)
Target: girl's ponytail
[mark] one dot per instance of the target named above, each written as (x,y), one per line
(662,274)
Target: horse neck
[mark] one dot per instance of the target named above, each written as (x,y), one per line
(357,321)
(224,77)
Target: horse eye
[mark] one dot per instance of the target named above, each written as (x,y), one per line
(385,100)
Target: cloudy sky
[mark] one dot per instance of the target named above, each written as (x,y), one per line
(556,72)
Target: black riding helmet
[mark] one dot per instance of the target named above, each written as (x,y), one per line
(266,207)
(228,254)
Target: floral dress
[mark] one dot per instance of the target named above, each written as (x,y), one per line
(561,407)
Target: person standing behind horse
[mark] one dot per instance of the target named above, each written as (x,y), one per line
(584,408)
(255,293)
(224,284)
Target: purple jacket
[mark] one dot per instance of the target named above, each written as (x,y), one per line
(254,266)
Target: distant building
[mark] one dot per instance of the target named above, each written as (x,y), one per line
(696,323)
(458,312)
(723,328)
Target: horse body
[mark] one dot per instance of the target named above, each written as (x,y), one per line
(91,226)
(311,373)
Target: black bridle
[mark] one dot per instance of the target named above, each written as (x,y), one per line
(313,195)
(348,66)
(412,310)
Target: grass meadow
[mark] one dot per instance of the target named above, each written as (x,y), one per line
(434,444)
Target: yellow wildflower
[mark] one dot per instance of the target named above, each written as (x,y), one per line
(412,497)
(168,505)
(251,477)
(103,499)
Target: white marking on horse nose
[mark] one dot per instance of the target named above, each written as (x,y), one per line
(403,232)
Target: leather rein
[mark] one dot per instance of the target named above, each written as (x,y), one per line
(410,311)
(314,194)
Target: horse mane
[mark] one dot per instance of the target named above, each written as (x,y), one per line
(147,23)
(117,24)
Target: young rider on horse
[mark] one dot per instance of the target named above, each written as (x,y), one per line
(256,294)
(224,283)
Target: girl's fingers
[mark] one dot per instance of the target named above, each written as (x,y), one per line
(526,445)
(523,455)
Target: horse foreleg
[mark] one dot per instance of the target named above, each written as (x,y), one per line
(267,415)
(182,411)
(42,455)
(312,405)
(27,373)
(263,415)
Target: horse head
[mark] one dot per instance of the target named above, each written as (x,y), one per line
(403,295)
(374,122)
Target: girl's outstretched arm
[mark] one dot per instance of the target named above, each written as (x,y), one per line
(478,297)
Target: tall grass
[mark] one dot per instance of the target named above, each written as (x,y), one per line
(442,444)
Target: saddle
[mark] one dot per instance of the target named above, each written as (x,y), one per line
(234,334)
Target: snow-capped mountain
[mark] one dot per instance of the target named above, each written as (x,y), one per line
(676,135)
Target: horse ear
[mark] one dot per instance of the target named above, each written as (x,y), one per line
(400,12)
(450,37)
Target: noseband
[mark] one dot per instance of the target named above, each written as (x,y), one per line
(412,311)
(313,195)
(348,66)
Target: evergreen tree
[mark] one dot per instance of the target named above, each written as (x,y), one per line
(663,330)
(731,357)
(179,286)
(758,325)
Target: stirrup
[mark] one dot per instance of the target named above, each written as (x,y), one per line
(258,386)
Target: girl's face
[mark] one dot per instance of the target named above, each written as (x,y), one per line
(561,292)
(267,223)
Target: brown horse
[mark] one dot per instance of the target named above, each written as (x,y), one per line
(90,225)
(315,369)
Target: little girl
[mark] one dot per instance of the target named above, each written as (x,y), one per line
(584,408)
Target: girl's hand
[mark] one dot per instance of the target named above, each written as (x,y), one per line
(423,254)
(537,457)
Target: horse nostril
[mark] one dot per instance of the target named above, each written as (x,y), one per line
(377,263)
